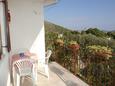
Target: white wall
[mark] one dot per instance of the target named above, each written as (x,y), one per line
(26,32)
(4,72)
(27,26)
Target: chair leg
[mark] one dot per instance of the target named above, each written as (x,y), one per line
(47,71)
(14,77)
(22,79)
(18,80)
(34,75)
(36,78)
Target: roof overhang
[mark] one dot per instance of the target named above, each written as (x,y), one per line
(45,2)
(50,2)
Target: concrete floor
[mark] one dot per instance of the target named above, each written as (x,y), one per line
(54,80)
(59,76)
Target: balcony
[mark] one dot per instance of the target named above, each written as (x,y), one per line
(59,76)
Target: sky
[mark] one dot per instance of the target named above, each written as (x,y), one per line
(82,14)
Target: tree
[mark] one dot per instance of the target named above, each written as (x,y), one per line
(111,34)
(96,32)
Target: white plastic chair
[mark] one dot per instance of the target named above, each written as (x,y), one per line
(24,67)
(45,65)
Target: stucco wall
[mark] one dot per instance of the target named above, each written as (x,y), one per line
(27,26)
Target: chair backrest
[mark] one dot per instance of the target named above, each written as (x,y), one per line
(23,66)
(48,54)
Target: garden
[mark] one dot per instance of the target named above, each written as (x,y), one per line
(90,57)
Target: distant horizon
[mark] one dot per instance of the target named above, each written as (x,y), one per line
(84,29)
(82,14)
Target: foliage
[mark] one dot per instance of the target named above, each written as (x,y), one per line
(89,39)
(73,42)
(94,50)
(100,52)
(111,34)
(96,32)
(50,27)
(98,74)
(98,70)
(75,32)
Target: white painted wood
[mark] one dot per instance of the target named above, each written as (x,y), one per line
(49,2)
(3,26)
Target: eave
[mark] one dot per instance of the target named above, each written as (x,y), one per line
(50,2)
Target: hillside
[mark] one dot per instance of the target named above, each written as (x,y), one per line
(50,27)
(93,46)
